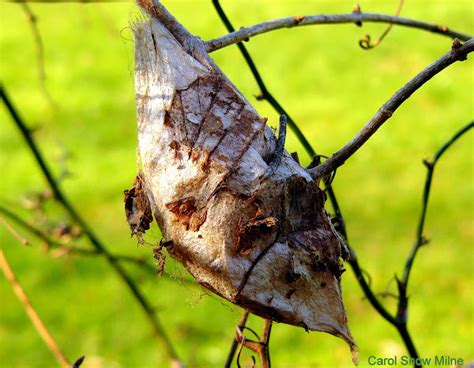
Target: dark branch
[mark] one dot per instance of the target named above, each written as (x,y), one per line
(430,166)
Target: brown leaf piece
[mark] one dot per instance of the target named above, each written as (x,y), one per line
(137,208)
(262,241)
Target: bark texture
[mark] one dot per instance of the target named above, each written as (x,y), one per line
(253,233)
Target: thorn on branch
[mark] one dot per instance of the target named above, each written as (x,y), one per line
(247,39)
(356,10)
(455,54)
(298,19)
(429,164)
(294,156)
(424,241)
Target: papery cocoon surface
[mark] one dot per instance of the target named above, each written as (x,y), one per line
(260,240)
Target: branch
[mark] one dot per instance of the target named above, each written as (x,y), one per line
(458,52)
(430,166)
(96,243)
(31,312)
(245,33)
(235,342)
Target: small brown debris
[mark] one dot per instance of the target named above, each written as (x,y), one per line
(456,44)
(291,276)
(197,219)
(174,145)
(443,28)
(166,244)
(160,258)
(298,18)
(66,232)
(249,234)
(455,54)
(289,293)
(137,208)
(183,209)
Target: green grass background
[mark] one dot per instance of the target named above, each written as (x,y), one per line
(330,87)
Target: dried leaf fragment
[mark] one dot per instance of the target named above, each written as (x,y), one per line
(137,208)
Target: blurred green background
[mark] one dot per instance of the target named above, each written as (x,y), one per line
(330,86)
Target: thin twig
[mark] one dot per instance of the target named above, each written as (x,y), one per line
(31,17)
(367,44)
(94,240)
(31,312)
(10,228)
(458,53)
(264,352)
(264,92)
(246,33)
(235,343)
(430,166)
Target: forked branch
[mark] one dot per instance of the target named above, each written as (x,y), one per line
(420,239)
(458,52)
